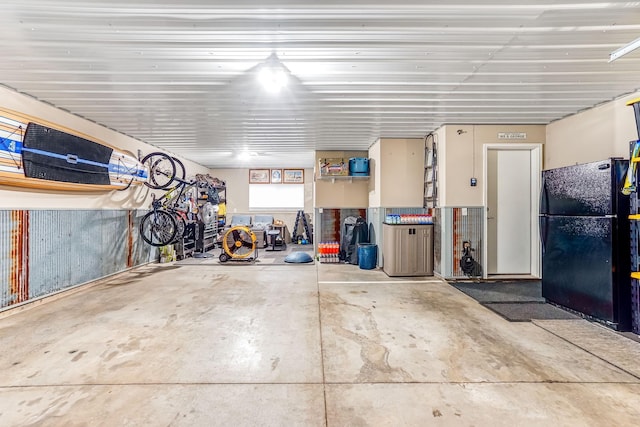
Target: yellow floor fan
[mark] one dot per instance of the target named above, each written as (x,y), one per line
(238,244)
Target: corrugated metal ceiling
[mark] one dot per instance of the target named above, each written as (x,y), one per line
(182,75)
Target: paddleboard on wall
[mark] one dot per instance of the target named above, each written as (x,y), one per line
(36,154)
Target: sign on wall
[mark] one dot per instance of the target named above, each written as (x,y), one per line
(512,135)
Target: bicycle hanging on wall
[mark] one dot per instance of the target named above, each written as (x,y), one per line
(167,220)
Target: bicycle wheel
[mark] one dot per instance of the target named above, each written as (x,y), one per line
(181,226)
(181,172)
(158,228)
(162,170)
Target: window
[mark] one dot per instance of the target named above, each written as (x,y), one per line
(276,196)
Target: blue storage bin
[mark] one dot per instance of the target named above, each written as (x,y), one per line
(359,166)
(367,256)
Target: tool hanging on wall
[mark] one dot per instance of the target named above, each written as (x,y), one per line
(299,237)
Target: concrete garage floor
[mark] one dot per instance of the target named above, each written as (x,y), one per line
(303,345)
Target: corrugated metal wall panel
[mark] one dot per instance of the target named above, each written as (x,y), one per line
(141,253)
(15,265)
(64,251)
(452,227)
(331,221)
(43,252)
(329,225)
(467,227)
(114,228)
(6,225)
(437,241)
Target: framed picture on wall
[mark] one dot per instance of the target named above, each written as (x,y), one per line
(276,176)
(259,176)
(293,176)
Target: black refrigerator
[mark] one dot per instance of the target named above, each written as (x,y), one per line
(584,228)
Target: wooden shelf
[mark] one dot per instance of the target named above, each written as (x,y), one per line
(342,178)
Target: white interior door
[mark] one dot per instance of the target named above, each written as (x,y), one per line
(509,215)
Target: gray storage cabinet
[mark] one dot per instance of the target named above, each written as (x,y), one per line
(407,249)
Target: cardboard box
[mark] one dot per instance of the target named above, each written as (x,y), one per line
(334,167)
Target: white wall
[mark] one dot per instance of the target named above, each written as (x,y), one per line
(400,171)
(375,174)
(460,158)
(595,134)
(133,198)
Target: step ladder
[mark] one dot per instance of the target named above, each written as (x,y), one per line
(301,217)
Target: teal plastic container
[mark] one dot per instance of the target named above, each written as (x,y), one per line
(359,166)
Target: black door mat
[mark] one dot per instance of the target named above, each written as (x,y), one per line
(488,292)
(527,311)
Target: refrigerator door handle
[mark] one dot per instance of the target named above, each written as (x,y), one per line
(544,225)
(544,197)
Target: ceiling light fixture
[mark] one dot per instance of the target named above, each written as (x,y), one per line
(624,50)
(273,75)
(246,155)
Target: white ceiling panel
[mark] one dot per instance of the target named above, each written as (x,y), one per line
(182,75)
